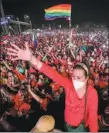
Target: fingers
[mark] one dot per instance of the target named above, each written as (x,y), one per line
(12,50)
(14,58)
(10,53)
(16,47)
(13,54)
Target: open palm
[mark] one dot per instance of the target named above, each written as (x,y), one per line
(20,54)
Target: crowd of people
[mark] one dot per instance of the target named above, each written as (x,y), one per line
(63,51)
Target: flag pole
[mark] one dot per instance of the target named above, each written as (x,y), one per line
(70,20)
(69,23)
(70,31)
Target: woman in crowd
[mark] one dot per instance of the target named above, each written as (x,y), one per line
(81,101)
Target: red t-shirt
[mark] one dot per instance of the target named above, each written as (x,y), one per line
(19,75)
(19,104)
(44,104)
(31,70)
(74,107)
(55,86)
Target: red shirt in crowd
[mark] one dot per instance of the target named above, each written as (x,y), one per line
(19,75)
(55,86)
(19,104)
(74,106)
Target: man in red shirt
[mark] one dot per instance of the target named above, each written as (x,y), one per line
(75,90)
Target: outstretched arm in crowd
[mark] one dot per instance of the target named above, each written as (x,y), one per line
(80,56)
(6,65)
(72,54)
(44,58)
(26,54)
(35,96)
(101,62)
(42,101)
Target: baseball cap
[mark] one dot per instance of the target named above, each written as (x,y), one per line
(45,123)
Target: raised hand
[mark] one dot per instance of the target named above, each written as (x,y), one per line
(20,54)
(7,65)
(50,48)
(29,88)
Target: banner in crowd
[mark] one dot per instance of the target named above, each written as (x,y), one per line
(58,11)
(34,40)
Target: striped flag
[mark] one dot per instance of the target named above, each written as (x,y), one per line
(58,11)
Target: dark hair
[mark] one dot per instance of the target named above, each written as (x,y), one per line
(10,71)
(78,66)
(46,87)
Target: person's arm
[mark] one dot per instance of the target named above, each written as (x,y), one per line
(12,88)
(93,112)
(26,54)
(80,57)
(35,96)
(16,85)
(101,62)
(44,58)
(72,54)
(6,65)
(50,72)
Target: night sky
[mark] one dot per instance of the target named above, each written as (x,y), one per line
(96,11)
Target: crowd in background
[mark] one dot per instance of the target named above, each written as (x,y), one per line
(62,49)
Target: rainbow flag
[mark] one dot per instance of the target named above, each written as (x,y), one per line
(58,11)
